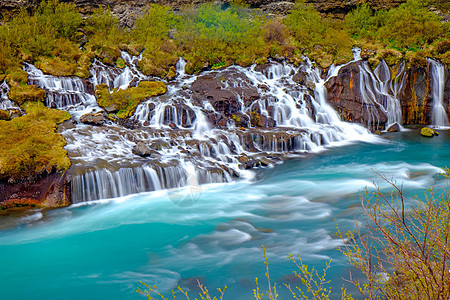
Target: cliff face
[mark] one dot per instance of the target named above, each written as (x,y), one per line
(346,94)
(48,191)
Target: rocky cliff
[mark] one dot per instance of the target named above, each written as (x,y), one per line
(352,94)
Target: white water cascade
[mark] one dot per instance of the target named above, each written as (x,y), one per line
(67,93)
(439,115)
(5,102)
(261,117)
(114,78)
(380,90)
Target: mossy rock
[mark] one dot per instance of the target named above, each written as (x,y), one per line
(22,93)
(428,132)
(124,102)
(416,59)
(56,66)
(107,54)
(4,115)
(134,50)
(120,63)
(30,146)
(391,56)
(84,65)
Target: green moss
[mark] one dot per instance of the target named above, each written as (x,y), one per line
(22,93)
(4,115)
(56,66)
(120,63)
(428,132)
(124,102)
(30,146)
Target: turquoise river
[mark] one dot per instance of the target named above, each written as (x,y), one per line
(103,249)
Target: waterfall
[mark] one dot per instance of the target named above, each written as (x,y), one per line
(180,66)
(117,78)
(5,102)
(380,91)
(439,115)
(187,137)
(67,93)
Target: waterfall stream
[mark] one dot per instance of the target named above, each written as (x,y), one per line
(439,116)
(379,89)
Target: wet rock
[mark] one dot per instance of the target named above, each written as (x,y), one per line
(344,95)
(112,108)
(394,128)
(159,145)
(52,190)
(130,124)
(224,89)
(428,132)
(97,118)
(173,126)
(143,150)
(310,85)
(300,77)
(263,87)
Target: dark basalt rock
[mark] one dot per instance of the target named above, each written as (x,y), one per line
(345,97)
(52,190)
(225,91)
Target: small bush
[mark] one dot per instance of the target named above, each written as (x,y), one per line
(30,146)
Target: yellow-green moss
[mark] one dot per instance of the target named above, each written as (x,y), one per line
(4,115)
(107,54)
(30,146)
(416,59)
(428,132)
(124,102)
(21,93)
(56,66)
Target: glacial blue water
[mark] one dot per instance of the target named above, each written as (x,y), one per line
(103,249)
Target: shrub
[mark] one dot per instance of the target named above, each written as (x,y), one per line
(359,22)
(155,23)
(30,146)
(403,248)
(63,17)
(410,24)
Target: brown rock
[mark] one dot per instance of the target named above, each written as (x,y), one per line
(98,118)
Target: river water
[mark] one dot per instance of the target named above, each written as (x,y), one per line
(102,249)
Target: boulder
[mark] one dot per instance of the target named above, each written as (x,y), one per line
(428,132)
(97,118)
(394,128)
(142,149)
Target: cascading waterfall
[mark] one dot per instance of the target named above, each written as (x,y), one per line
(67,93)
(5,102)
(179,130)
(379,90)
(117,78)
(439,115)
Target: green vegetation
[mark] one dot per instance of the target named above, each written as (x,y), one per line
(211,36)
(30,146)
(124,102)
